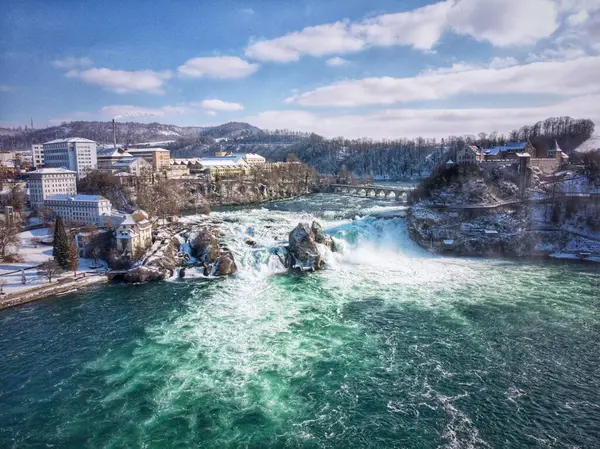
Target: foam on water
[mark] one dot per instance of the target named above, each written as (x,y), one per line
(388,346)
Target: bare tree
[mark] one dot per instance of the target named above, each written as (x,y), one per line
(35,241)
(9,238)
(49,269)
(2,282)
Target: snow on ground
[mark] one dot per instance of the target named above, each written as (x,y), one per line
(33,256)
(593,143)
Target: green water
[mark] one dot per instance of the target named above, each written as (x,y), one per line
(388,347)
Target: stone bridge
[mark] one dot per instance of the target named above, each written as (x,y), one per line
(374,191)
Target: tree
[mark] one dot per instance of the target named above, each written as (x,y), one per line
(49,269)
(72,262)
(62,242)
(17,198)
(9,238)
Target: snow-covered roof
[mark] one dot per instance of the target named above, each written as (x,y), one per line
(71,140)
(128,162)
(110,151)
(146,150)
(52,171)
(76,198)
(510,146)
(218,161)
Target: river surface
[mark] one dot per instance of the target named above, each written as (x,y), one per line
(388,347)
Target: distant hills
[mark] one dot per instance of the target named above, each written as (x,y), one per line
(127,133)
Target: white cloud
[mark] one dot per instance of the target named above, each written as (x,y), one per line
(558,53)
(505,23)
(574,77)
(211,113)
(578,18)
(223,67)
(72,63)
(120,111)
(501,22)
(336,61)
(219,105)
(122,82)
(394,123)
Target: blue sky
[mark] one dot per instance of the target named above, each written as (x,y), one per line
(354,68)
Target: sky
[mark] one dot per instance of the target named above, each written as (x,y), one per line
(353,68)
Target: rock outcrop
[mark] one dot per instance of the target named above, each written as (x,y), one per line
(303,249)
(216,260)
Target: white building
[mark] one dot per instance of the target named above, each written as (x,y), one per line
(135,232)
(108,156)
(37,152)
(132,165)
(45,182)
(250,158)
(92,210)
(74,153)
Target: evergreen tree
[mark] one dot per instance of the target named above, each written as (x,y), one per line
(61,243)
(72,259)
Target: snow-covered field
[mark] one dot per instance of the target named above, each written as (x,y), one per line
(33,256)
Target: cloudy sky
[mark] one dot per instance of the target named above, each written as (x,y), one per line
(379,68)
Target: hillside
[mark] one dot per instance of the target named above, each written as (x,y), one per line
(127,132)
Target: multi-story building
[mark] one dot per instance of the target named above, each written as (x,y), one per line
(108,156)
(74,153)
(132,165)
(159,158)
(37,152)
(92,210)
(250,158)
(45,182)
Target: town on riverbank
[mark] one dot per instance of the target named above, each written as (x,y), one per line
(77,212)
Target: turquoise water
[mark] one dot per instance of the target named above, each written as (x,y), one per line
(388,347)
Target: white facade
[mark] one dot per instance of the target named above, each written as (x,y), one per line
(37,152)
(92,210)
(45,182)
(75,153)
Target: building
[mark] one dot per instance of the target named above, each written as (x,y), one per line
(74,153)
(133,165)
(469,154)
(159,158)
(250,158)
(45,182)
(108,156)
(509,151)
(37,153)
(94,210)
(134,233)
(223,166)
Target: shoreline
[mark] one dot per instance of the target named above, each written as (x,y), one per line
(50,290)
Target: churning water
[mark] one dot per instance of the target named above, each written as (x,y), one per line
(387,347)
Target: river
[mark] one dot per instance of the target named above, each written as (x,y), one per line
(388,347)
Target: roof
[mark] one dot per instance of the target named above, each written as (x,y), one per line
(110,151)
(128,162)
(71,140)
(510,146)
(217,161)
(523,155)
(146,150)
(55,171)
(77,198)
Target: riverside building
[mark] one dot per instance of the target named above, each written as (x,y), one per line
(45,182)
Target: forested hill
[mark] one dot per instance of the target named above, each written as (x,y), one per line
(127,133)
(404,158)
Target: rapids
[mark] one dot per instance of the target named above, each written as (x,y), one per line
(389,346)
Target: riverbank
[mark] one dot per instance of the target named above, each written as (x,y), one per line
(44,291)
(388,346)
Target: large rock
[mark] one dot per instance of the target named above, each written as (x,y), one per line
(225,265)
(303,249)
(206,247)
(146,274)
(320,236)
